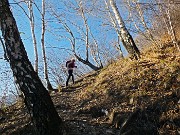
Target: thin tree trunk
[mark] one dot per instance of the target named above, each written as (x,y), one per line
(87,36)
(87,30)
(48,84)
(168,23)
(4,49)
(142,19)
(127,39)
(31,17)
(95,53)
(172,32)
(45,117)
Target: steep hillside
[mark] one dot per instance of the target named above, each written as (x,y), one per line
(126,97)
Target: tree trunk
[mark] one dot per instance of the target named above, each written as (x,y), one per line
(171,31)
(46,77)
(127,39)
(86,61)
(95,68)
(31,18)
(45,117)
(87,35)
(116,28)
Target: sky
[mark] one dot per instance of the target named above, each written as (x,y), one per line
(56,45)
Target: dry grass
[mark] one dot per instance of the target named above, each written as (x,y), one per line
(151,81)
(154,71)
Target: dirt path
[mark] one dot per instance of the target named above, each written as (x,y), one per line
(79,123)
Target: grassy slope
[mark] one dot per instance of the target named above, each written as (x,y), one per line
(156,74)
(151,85)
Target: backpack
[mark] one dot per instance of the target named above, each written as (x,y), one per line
(67,62)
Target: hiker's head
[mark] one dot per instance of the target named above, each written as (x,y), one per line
(73,60)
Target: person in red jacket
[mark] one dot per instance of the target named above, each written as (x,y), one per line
(70,66)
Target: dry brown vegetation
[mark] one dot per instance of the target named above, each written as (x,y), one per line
(141,97)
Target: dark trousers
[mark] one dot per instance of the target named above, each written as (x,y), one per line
(70,72)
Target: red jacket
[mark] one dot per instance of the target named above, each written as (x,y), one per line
(70,64)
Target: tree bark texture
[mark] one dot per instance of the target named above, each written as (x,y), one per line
(126,39)
(38,101)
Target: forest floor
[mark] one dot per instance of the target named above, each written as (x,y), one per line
(125,98)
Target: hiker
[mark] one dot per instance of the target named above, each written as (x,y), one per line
(70,65)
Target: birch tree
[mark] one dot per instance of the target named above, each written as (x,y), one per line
(126,39)
(87,36)
(116,28)
(43,29)
(31,19)
(32,25)
(44,115)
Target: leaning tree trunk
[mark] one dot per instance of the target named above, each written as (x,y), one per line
(116,28)
(44,115)
(127,39)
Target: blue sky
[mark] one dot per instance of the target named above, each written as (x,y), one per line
(50,40)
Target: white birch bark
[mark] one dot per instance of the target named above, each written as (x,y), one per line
(4,49)
(87,31)
(31,18)
(43,29)
(116,28)
(127,39)
(87,35)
